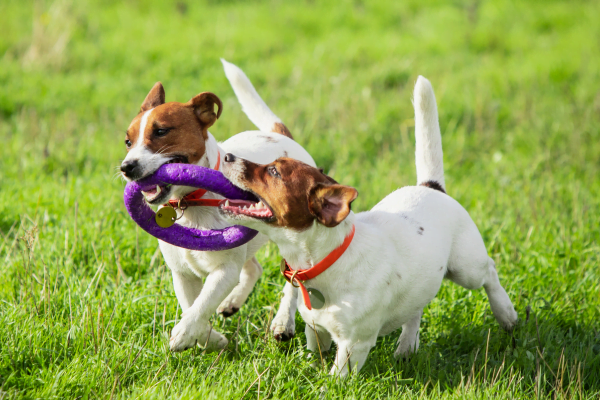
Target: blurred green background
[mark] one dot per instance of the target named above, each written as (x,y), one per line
(518,89)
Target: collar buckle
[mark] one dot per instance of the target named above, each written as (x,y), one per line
(300,275)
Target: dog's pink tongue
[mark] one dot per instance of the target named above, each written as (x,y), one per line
(150,192)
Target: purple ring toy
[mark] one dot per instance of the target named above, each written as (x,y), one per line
(181,236)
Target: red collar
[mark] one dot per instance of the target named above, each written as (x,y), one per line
(195,198)
(305,274)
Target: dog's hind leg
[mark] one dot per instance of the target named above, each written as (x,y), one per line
(251,271)
(408,342)
(471,268)
(502,307)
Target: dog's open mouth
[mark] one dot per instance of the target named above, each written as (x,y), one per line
(160,194)
(156,194)
(252,209)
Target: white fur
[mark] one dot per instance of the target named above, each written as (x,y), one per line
(428,154)
(254,107)
(229,275)
(402,250)
(143,124)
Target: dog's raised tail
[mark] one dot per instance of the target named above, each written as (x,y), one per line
(252,104)
(428,155)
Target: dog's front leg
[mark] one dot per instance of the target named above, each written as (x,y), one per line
(187,288)
(408,342)
(284,323)
(194,327)
(351,355)
(318,341)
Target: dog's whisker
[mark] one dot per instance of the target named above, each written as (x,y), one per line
(118,175)
(163,149)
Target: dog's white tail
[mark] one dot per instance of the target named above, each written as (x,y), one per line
(428,155)
(254,107)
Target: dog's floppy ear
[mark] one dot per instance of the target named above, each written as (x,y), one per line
(204,108)
(156,97)
(331,203)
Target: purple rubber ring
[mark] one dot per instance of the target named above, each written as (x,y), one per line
(181,236)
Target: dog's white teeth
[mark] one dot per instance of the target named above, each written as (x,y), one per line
(158,189)
(226,203)
(260,205)
(251,207)
(244,207)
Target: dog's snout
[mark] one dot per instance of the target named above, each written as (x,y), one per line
(128,167)
(229,157)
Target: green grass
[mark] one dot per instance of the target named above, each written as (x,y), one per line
(86,302)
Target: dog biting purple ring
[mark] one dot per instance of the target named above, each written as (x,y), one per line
(181,236)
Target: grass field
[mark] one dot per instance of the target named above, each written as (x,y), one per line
(86,302)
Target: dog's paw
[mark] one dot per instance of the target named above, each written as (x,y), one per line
(283,325)
(216,342)
(504,312)
(407,347)
(507,318)
(283,329)
(283,332)
(317,360)
(229,311)
(187,334)
(230,306)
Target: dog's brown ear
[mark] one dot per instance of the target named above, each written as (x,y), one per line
(331,203)
(204,108)
(155,98)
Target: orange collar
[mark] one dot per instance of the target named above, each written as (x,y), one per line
(195,198)
(304,274)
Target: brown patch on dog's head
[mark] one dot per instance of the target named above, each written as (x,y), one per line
(280,128)
(296,193)
(175,130)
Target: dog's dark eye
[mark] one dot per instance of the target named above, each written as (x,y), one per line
(273,172)
(161,131)
(128,143)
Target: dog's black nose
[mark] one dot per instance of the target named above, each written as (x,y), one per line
(229,157)
(128,167)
